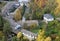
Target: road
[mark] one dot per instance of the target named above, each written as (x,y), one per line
(13,24)
(8,6)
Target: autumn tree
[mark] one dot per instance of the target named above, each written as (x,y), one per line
(17,15)
(57,38)
(41,35)
(25,38)
(48,39)
(50,7)
(1,34)
(53,29)
(19,35)
(41,3)
(57,9)
(35,11)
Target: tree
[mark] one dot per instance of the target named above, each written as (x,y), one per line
(35,11)
(7,29)
(3,38)
(1,21)
(23,9)
(50,6)
(27,16)
(1,34)
(19,35)
(41,35)
(57,9)
(17,15)
(57,38)
(37,15)
(14,38)
(41,3)
(48,39)
(25,38)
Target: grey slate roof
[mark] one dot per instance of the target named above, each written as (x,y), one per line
(28,32)
(48,16)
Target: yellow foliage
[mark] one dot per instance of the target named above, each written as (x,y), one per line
(17,15)
(58,1)
(1,34)
(24,37)
(57,10)
(40,3)
(40,36)
(48,39)
(19,35)
(41,32)
(57,38)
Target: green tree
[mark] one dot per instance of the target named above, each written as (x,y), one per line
(50,6)
(23,9)
(53,29)
(14,38)
(7,29)
(25,38)
(1,21)
(3,38)
(35,11)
